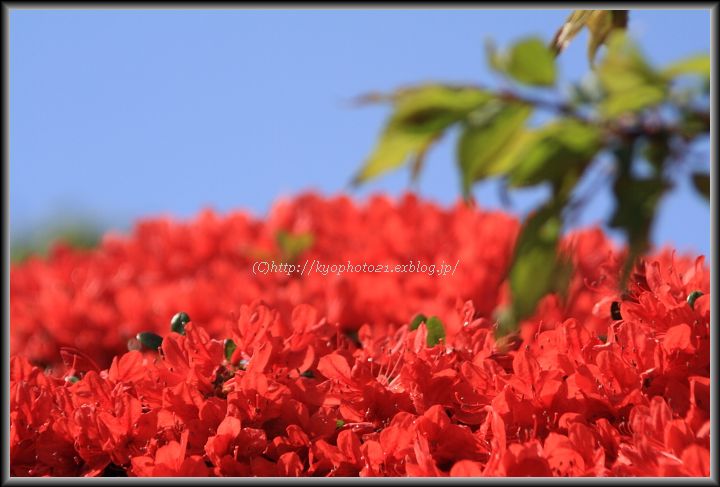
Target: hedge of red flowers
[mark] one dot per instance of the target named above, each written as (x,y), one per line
(359,374)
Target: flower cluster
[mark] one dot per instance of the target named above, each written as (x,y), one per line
(98,300)
(345,375)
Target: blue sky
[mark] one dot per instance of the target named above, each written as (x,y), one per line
(118,115)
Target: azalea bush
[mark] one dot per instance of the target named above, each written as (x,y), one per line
(544,352)
(161,354)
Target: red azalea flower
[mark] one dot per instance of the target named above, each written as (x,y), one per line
(170,461)
(285,375)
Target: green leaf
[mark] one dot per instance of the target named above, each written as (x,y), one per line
(486,146)
(149,340)
(701,181)
(430,108)
(696,65)
(571,28)
(534,262)
(419,118)
(553,151)
(435,331)
(178,322)
(632,100)
(537,267)
(532,63)
(229,347)
(530,278)
(600,23)
(391,152)
(292,245)
(692,297)
(630,83)
(417,321)
(339,423)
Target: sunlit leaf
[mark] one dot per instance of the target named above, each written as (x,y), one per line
(701,181)
(632,100)
(572,27)
(229,348)
(435,331)
(419,118)
(292,245)
(600,24)
(391,152)
(432,107)
(484,144)
(532,63)
(630,83)
(623,67)
(696,65)
(566,145)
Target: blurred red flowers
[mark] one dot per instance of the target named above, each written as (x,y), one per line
(317,375)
